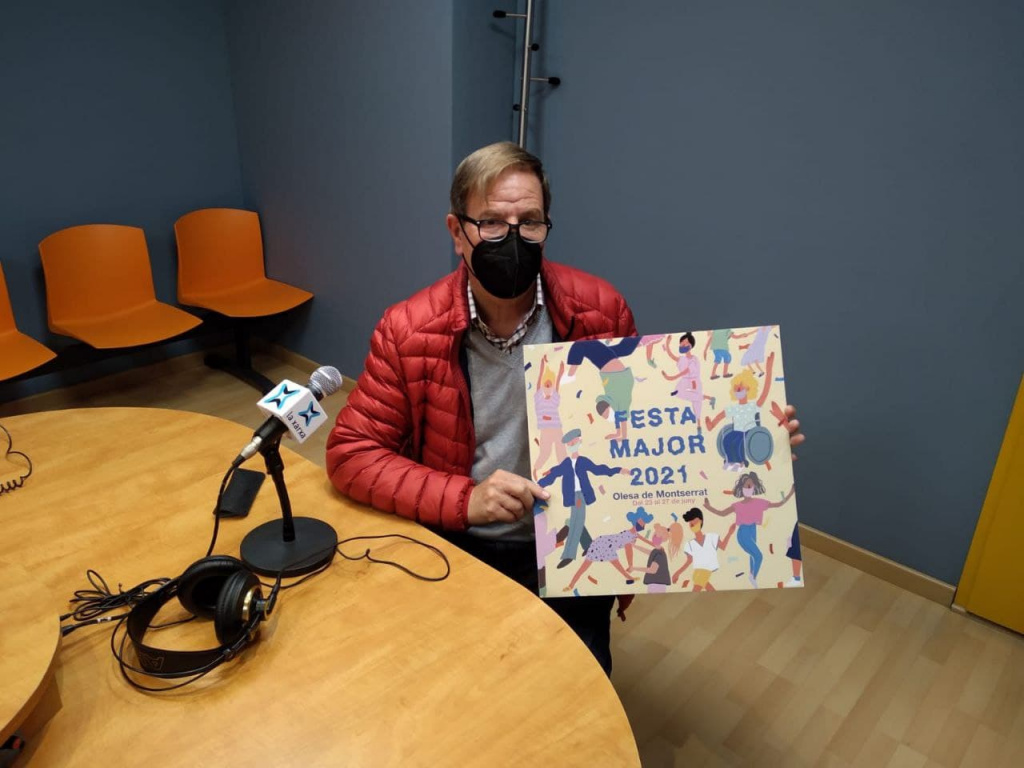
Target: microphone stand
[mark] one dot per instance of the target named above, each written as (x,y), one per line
(291,546)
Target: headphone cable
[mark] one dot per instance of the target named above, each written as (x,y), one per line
(216,509)
(90,605)
(13,485)
(368,555)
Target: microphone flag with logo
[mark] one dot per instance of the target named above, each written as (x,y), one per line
(294,406)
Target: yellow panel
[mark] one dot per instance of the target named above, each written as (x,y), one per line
(992,585)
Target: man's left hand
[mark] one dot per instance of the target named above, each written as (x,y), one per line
(796,437)
(624,602)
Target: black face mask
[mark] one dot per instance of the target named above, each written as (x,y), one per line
(507,268)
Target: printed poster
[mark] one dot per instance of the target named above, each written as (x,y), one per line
(668,462)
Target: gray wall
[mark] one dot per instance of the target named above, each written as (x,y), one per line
(484,71)
(853,172)
(112,112)
(345,132)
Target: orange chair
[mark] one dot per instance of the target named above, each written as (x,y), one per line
(220,268)
(99,288)
(18,353)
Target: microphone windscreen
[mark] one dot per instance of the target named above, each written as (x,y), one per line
(325,381)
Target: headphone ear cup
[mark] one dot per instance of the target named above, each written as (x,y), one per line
(229,622)
(202,583)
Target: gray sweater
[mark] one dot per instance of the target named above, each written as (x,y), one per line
(497,385)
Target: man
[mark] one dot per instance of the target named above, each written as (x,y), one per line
(436,430)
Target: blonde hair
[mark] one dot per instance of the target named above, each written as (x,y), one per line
(675,538)
(747,378)
(479,170)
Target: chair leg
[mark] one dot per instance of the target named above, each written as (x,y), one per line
(241,367)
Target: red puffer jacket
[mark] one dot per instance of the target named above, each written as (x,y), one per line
(404,442)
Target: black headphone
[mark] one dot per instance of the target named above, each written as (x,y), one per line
(220,588)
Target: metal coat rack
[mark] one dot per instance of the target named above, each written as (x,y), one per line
(528,47)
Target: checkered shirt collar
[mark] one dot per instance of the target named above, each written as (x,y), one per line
(505,345)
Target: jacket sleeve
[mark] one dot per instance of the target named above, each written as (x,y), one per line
(604,469)
(626,325)
(553,474)
(367,449)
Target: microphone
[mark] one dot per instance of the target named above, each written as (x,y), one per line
(291,546)
(291,408)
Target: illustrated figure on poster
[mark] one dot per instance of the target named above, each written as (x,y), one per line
(745,414)
(616,378)
(649,343)
(577,492)
(718,341)
(546,401)
(749,511)
(688,382)
(795,558)
(605,549)
(753,357)
(548,540)
(702,551)
(657,573)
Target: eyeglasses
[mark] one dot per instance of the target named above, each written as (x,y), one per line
(495,230)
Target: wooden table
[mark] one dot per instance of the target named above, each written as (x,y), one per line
(29,641)
(361,666)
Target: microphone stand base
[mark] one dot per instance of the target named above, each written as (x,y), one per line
(265,551)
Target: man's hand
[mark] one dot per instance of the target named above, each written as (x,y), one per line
(624,602)
(503,498)
(796,437)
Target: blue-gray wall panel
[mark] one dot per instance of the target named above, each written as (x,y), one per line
(113,111)
(484,71)
(345,133)
(852,171)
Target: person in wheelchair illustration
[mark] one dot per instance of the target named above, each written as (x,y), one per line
(744,440)
(742,447)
